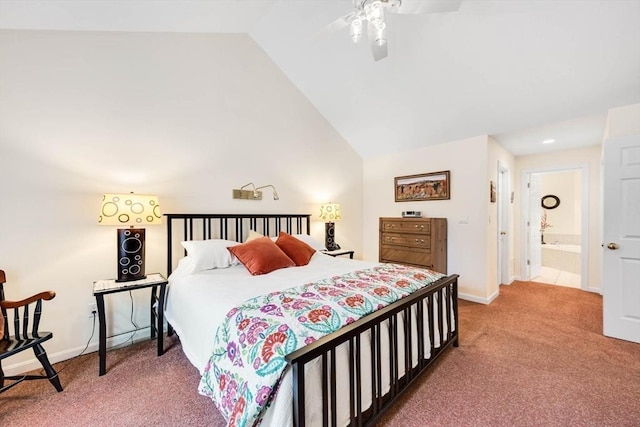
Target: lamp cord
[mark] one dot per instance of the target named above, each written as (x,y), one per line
(93,331)
(129,341)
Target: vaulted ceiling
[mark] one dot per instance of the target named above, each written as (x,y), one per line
(520,71)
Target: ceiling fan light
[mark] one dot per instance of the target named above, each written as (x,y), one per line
(381,36)
(356,30)
(375,13)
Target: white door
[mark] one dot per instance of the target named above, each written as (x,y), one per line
(535,236)
(621,236)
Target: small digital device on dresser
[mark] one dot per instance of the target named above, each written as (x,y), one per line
(411,214)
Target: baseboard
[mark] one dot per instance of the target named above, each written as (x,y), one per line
(60,356)
(511,280)
(480,300)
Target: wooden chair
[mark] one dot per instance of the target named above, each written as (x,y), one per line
(24,339)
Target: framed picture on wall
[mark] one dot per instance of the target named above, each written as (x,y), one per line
(492,191)
(425,186)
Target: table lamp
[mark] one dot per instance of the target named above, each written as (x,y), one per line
(134,210)
(330,212)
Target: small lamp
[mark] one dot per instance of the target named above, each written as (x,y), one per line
(330,212)
(133,210)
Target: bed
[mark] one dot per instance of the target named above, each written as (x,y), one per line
(349,376)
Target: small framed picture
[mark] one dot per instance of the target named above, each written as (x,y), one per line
(425,186)
(492,191)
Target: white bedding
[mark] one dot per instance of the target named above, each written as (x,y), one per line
(220,290)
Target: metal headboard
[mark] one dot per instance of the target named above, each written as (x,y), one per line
(181,227)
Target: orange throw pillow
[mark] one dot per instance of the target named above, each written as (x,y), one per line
(296,249)
(261,256)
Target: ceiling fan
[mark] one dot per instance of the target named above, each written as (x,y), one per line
(371,14)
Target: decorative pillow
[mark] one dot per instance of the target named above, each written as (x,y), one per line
(253,235)
(315,244)
(296,249)
(208,254)
(261,256)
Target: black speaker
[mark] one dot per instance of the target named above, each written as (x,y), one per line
(130,254)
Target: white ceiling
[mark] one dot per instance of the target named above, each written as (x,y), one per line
(522,71)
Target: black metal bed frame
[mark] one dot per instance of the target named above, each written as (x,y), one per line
(396,317)
(231,227)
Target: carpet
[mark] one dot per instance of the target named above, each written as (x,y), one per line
(536,356)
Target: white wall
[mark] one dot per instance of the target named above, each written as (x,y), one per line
(467,242)
(188,117)
(623,121)
(589,156)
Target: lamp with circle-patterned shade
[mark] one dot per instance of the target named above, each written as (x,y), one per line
(134,210)
(330,212)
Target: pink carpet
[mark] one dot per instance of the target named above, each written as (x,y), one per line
(534,357)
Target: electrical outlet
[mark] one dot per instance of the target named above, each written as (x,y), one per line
(93,311)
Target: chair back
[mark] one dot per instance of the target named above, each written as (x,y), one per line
(22,340)
(21,324)
(3,314)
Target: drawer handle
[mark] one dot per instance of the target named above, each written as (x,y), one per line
(391,225)
(419,226)
(390,238)
(419,240)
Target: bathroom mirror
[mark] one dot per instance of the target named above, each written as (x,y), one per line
(550,201)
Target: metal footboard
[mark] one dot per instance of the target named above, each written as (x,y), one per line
(432,312)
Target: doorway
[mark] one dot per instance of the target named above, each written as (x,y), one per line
(504,227)
(556,224)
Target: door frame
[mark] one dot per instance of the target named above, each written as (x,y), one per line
(525,247)
(504,199)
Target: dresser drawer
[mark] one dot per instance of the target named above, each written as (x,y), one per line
(420,226)
(419,242)
(409,240)
(406,256)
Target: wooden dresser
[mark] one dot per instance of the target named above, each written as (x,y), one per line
(420,242)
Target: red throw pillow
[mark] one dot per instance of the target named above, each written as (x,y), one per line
(296,249)
(261,256)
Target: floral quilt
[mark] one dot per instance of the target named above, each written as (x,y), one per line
(248,360)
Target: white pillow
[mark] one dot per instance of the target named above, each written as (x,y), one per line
(209,254)
(186,266)
(315,244)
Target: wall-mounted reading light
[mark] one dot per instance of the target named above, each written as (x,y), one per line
(254,194)
(275,193)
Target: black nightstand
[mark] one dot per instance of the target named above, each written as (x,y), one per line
(158,285)
(339,252)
